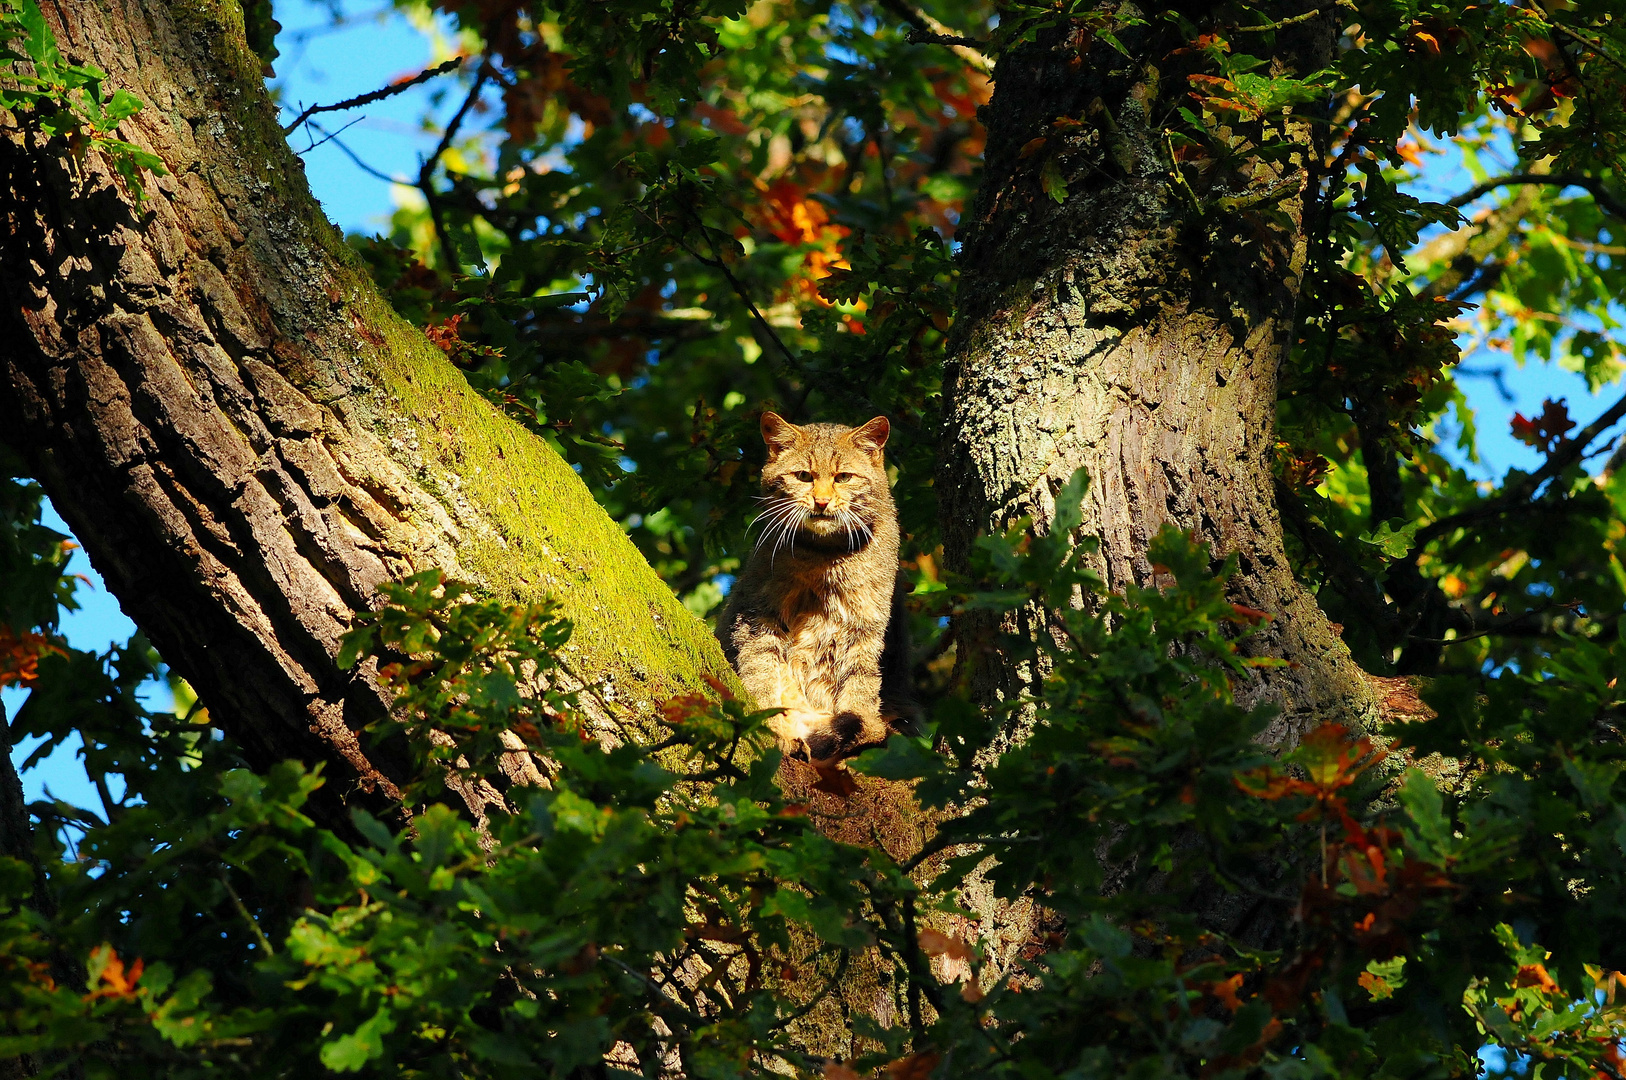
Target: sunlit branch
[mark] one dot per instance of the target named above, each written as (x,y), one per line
(1294,20)
(928,31)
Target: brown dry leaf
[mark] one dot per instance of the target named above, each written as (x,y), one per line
(914,1067)
(835,781)
(971,993)
(835,1070)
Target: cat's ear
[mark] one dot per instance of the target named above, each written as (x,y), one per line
(778,433)
(872,436)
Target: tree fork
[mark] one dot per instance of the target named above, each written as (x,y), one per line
(247,439)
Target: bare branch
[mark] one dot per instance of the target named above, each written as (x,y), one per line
(1294,20)
(377,95)
(355,158)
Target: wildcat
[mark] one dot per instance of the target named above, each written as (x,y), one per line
(815,623)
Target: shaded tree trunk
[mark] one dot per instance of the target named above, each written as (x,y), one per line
(246,438)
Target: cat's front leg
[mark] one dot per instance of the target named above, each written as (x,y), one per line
(856,723)
(759,652)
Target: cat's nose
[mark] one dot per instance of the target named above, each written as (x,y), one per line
(820,504)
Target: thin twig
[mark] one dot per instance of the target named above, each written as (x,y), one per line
(242,909)
(1591,43)
(330,137)
(1600,194)
(1265,28)
(716,263)
(377,95)
(355,159)
(426,174)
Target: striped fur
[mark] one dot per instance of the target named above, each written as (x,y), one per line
(815,623)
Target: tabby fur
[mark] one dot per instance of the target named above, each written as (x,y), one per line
(815,623)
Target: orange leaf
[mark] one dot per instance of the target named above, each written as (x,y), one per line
(1225,992)
(1375,985)
(114,981)
(835,1070)
(1031,147)
(20,655)
(1536,975)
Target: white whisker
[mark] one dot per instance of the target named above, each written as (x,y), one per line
(772,517)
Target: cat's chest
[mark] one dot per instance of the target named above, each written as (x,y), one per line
(811,614)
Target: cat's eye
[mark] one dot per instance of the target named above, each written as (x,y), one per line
(843,477)
(805,477)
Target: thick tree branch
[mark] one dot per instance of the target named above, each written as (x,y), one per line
(1605,199)
(1514,495)
(929,31)
(248,441)
(1465,250)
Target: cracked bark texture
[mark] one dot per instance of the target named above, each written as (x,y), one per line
(1135,328)
(246,438)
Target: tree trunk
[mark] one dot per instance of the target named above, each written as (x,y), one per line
(246,438)
(1135,328)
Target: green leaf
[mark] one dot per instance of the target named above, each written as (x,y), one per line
(351,1053)
(1050,179)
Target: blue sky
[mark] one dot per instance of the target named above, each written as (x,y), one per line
(323,62)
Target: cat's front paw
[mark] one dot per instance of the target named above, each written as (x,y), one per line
(835,740)
(846,734)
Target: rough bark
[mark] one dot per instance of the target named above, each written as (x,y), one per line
(1135,327)
(245,437)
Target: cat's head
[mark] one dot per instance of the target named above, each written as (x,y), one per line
(824,481)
